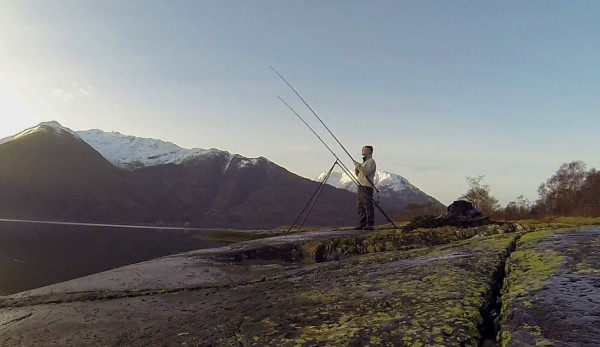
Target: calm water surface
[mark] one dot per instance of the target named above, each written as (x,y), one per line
(35,255)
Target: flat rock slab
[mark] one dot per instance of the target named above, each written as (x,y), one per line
(551,295)
(200,268)
(422,297)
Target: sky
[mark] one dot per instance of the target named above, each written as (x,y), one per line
(443,90)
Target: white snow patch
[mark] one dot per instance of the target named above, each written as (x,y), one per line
(339,180)
(46,127)
(132,152)
(229,159)
(383,180)
(246,161)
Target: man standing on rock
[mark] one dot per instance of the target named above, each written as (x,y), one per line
(365,172)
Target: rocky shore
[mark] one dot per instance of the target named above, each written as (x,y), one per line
(551,295)
(429,287)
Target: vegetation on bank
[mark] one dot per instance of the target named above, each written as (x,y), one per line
(558,222)
(573,191)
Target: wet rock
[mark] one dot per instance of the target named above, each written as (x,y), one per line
(425,296)
(455,220)
(427,287)
(551,295)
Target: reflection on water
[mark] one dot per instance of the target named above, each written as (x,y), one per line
(34,255)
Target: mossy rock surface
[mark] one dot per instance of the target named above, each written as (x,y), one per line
(551,295)
(429,296)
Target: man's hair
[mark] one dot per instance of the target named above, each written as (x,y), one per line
(370,148)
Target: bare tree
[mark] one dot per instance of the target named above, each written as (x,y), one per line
(480,195)
(589,195)
(521,208)
(559,194)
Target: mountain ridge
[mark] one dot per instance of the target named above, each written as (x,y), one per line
(132,152)
(151,181)
(49,172)
(46,127)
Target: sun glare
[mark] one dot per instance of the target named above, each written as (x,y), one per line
(16,114)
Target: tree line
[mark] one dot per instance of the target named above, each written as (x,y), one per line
(571,191)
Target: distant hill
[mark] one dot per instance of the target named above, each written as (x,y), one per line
(50,172)
(130,152)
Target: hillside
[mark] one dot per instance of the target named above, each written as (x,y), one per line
(49,172)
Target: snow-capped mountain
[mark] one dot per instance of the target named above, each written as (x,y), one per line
(45,127)
(395,191)
(50,172)
(384,181)
(131,152)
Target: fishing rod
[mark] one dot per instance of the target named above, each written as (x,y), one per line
(341,164)
(323,142)
(320,120)
(311,129)
(311,110)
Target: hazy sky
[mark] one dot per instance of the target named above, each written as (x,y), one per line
(441,89)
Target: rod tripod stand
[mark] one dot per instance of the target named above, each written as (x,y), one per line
(338,161)
(313,199)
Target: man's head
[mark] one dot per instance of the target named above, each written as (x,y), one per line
(367,150)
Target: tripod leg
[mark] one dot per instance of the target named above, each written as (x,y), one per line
(315,200)
(313,197)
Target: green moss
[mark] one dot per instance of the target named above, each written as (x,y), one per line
(577,221)
(389,246)
(585,268)
(375,340)
(532,329)
(313,247)
(558,222)
(435,300)
(535,235)
(448,330)
(529,269)
(543,343)
(317,296)
(406,339)
(505,337)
